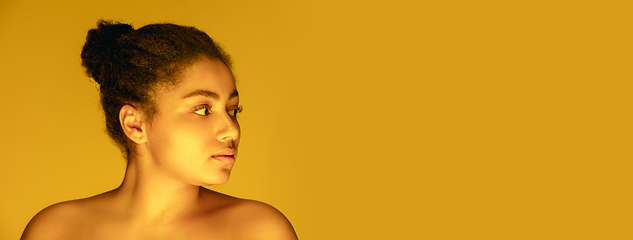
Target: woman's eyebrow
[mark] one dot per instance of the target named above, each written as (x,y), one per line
(207,93)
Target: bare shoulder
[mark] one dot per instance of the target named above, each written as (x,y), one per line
(252,219)
(262,221)
(57,221)
(50,222)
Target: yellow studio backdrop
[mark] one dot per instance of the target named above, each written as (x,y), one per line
(363,119)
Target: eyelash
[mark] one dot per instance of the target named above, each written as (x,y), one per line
(203,107)
(239,109)
(232,113)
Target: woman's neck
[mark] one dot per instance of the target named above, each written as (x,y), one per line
(148,194)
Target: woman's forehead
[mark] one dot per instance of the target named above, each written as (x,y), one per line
(206,76)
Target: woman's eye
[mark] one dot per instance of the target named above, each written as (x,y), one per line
(234,112)
(203,110)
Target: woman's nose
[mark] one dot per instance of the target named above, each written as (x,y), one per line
(228,129)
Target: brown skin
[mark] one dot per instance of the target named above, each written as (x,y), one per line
(161,197)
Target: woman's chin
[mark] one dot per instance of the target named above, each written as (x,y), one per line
(216,180)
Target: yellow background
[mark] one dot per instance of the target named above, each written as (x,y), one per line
(363,119)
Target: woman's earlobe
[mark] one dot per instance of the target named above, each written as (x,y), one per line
(132,124)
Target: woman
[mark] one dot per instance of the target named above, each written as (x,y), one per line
(170,104)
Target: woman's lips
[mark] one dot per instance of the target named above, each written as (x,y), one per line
(230,159)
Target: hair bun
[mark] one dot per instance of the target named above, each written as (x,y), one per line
(99,40)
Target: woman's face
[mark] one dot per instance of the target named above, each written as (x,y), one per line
(194,135)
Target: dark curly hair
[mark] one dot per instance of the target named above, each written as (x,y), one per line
(131,65)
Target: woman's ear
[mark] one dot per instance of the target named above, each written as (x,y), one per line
(132,123)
